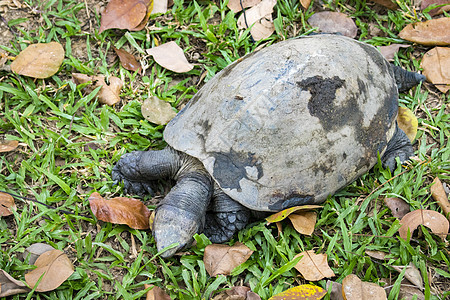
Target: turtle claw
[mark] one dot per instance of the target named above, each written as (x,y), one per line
(220,227)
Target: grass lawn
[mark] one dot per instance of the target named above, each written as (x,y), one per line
(68,144)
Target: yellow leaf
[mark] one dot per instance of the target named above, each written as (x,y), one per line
(279,216)
(304,291)
(407,122)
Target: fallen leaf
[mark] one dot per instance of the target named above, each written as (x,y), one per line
(222,259)
(436,67)
(157,111)
(304,291)
(33,252)
(313,267)
(127,60)
(408,292)
(156,293)
(432,219)
(281,215)
(39,60)
(387,3)
(235,5)
(171,57)
(237,293)
(412,274)
(376,254)
(435,11)
(336,290)
(125,14)
(355,289)
(304,221)
(430,33)
(6,203)
(407,122)
(398,207)
(263,28)
(389,51)
(108,94)
(159,7)
(334,22)
(120,210)
(305,3)
(10,286)
(439,195)
(257,12)
(7,146)
(54,266)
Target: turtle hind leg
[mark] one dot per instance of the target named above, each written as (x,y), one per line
(399,146)
(139,169)
(225,217)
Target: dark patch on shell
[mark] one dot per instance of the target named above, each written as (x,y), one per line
(230,168)
(290,199)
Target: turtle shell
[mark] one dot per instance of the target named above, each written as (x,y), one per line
(292,123)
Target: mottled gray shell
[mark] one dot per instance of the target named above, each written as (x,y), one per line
(292,123)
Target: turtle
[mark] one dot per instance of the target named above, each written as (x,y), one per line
(287,125)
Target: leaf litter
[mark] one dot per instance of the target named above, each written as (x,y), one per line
(8,145)
(434,32)
(301,292)
(334,22)
(436,67)
(355,289)
(171,57)
(157,111)
(434,220)
(108,94)
(439,195)
(7,205)
(313,267)
(398,207)
(125,14)
(222,259)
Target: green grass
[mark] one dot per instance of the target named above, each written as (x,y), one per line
(69,144)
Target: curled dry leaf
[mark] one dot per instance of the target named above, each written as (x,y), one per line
(313,267)
(432,219)
(334,22)
(33,252)
(301,292)
(108,94)
(222,259)
(387,3)
(54,266)
(305,3)
(336,290)
(435,11)
(435,32)
(280,216)
(439,195)
(235,5)
(263,28)
(304,221)
(156,293)
(412,274)
(6,204)
(10,286)
(398,207)
(389,51)
(7,146)
(120,210)
(39,60)
(125,14)
(171,57)
(127,60)
(257,12)
(407,122)
(436,67)
(157,111)
(355,289)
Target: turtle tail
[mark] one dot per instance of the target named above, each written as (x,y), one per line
(406,79)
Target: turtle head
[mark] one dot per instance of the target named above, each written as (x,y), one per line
(406,79)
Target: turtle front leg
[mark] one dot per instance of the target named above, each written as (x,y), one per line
(399,146)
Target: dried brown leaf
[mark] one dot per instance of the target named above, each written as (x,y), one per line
(389,51)
(305,3)
(33,252)
(304,221)
(10,286)
(120,210)
(235,5)
(124,14)
(355,289)
(408,292)
(54,266)
(7,146)
(439,195)
(435,11)
(436,67)
(222,259)
(108,94)
(334,22)
(435,32)
(313,267)
(398,207)
(156,293)
(127,60)
(263,28)
(6,204)
(412,274)
(39,60)
(432,219)
(171,57)
(407,122)
(376,254)
(336,290)
(257,12)
(157,111)
(387,3)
